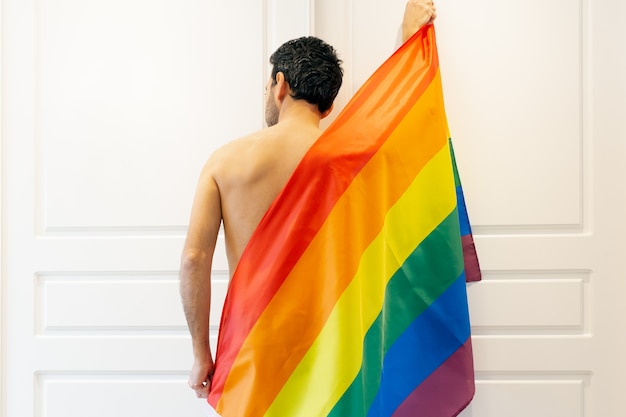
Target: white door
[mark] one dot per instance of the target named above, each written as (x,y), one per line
(536,101)
(109,110)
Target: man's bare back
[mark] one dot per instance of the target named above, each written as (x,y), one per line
(251,172)
(237,185)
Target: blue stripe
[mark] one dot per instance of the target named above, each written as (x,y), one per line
(463,217)
(431,339)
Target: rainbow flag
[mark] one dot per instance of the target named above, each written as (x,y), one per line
(350,298)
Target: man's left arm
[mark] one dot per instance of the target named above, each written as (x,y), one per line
(195,276)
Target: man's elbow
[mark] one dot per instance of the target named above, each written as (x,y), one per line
(193,260)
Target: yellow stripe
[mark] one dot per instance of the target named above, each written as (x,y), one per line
(333,361)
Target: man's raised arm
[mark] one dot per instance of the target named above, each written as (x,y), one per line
(417,14)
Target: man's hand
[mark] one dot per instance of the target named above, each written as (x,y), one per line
(200,377)
(417,14)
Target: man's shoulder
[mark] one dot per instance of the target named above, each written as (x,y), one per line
(232,148)
(244,143)
(241,154)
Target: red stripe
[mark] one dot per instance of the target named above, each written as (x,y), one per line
(298,212)
(447,391)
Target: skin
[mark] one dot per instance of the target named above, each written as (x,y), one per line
(238,184)
(417,13)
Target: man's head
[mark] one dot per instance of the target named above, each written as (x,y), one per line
(311,69)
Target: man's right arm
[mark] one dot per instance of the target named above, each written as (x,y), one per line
(417,13)
(195,276)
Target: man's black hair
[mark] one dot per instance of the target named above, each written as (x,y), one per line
(311,68)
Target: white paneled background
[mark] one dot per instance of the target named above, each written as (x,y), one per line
(109,110)
(146,79)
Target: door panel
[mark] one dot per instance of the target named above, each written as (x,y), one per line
(110,111)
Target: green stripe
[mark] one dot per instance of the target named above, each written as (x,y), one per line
(432,267)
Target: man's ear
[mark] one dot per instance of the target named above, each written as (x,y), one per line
(281,89)
(327,112)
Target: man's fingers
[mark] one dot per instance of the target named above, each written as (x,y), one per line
(201,388)
(433,14)
(202,393)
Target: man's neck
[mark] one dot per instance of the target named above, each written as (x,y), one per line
(299,111)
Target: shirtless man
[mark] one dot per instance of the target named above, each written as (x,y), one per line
(241,180)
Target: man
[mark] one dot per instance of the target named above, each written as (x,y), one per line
(241,180)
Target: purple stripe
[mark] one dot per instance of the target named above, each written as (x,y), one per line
(470,258)
(447,391)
